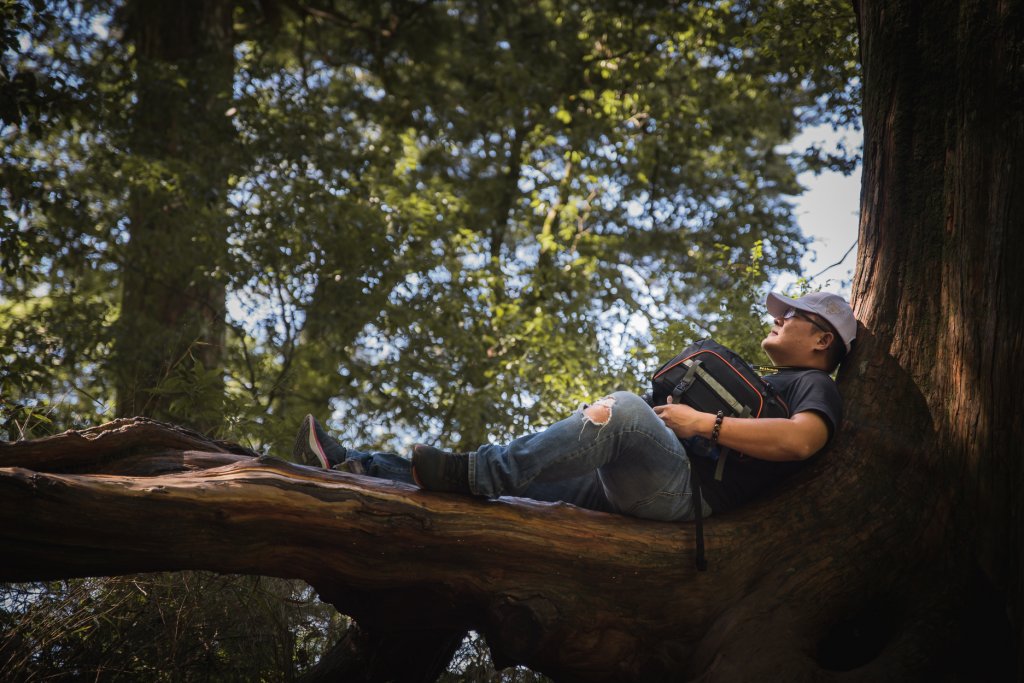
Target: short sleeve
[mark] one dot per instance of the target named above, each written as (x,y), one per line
(816,391)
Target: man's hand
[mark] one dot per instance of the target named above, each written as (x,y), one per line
(684,421)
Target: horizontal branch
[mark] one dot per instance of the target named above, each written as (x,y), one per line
(546,581)
(577,594)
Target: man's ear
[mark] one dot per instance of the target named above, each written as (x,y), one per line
(825,341)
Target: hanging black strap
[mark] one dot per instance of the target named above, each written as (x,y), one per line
(698,517)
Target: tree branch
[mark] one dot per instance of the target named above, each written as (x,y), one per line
(545,581)
(576,594)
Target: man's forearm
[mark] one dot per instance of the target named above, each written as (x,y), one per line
(777,439)
(795,438)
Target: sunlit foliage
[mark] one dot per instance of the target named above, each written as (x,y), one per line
(449,218)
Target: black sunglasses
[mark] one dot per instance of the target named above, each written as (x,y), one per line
(794,313)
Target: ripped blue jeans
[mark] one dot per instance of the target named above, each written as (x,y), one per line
(631,463)
(627,462)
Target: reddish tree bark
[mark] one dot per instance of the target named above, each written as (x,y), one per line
(553,586)
(938,285)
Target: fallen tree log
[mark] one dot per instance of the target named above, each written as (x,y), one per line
(537,577)
(577,594)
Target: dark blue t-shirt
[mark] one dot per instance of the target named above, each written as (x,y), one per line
(744,478)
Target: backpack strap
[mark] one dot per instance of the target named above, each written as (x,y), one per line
(692,368)
(723,453)
(720,391)
(698,516)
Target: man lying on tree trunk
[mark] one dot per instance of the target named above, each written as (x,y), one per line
(621,455)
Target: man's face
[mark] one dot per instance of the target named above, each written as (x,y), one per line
(794,338)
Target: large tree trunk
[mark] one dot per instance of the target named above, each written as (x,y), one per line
(895,556)
(173,301)
(939,288)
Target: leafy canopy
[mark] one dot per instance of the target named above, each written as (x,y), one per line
(446,218)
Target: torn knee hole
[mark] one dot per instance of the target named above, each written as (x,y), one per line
(599,412)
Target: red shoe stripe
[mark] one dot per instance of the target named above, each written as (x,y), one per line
(314,444)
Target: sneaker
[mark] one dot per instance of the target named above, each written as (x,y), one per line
(437,470)
(315,447)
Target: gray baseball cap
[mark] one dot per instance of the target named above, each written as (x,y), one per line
(831,307)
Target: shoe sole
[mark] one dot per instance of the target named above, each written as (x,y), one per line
(314,444)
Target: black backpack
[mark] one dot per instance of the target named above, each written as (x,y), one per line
(710,377)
